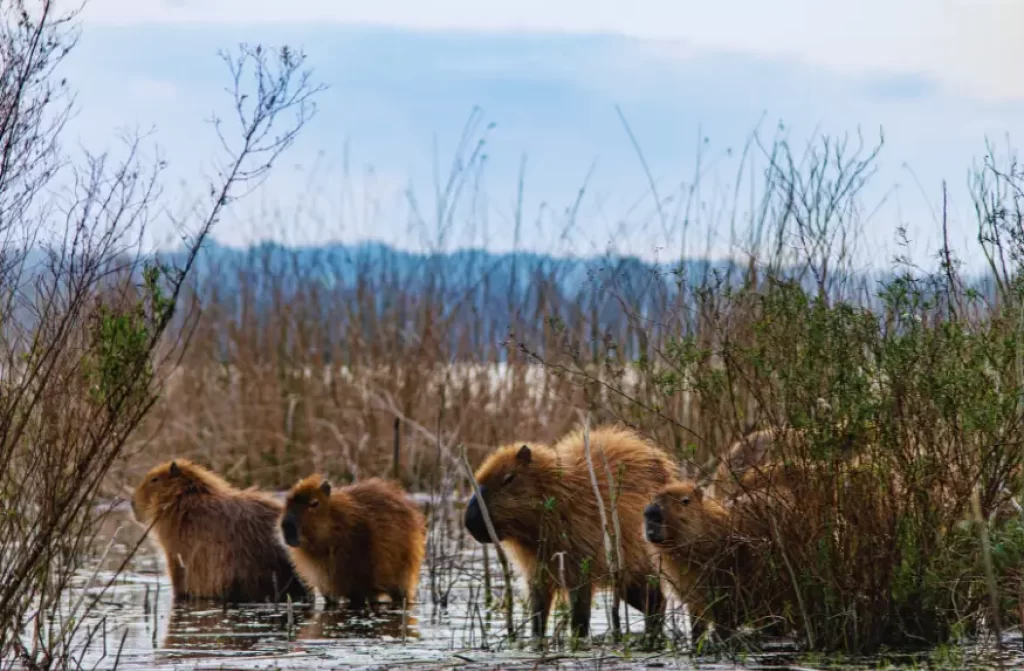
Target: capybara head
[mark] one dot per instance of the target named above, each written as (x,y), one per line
(304,509)
(163,485)
(510,482)
(677,513)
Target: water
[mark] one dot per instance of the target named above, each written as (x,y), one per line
(136,626)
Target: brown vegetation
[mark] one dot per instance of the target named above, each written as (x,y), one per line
(355,542)
(543,508)
(219,542)
(90,320)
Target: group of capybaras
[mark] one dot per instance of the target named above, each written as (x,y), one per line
(365,541)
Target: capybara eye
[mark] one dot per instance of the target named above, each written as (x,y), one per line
(508,478)
(314,503)
(156,479)
(686,500)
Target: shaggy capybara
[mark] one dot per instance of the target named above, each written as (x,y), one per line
(542,505)
(714,557)
(220,542)
(355,542)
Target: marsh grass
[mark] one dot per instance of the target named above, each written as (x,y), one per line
(906,383)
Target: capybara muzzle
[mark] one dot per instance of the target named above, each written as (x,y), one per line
(474,521)
(290,530)
(654,523)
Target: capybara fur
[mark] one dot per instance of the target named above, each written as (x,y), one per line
(355,542)
(541,502)
(715,559)
(220,542)
(746,455)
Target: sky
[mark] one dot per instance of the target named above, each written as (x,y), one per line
(692,80)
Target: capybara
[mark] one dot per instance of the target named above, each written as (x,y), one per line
(745,455)
(355,542)
(713,557)
(541,502)
(220,542)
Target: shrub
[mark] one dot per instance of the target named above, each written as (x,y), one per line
(84,320)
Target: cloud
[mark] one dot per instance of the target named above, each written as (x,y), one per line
(900,86)
(400,99)
(971,48)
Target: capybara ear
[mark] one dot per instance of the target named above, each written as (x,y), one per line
(523,456)
(325,487)
(174,470)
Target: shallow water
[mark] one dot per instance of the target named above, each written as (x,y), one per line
(139,627)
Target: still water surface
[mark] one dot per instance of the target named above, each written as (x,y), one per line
(145,631)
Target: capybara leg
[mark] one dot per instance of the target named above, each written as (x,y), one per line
(698,624)
(540,604)
(179,579)
(358,600)
(293,588)
(398,597)
(647,598)
(616,623)
(330,601)
(580,600)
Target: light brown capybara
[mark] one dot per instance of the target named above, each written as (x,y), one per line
(355,542)
(541,502)
(713,557)
(220,542)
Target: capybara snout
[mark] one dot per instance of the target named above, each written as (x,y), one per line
(474,520)
(654,523)
(290,529)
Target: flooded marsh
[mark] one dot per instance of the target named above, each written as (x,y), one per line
(136,626)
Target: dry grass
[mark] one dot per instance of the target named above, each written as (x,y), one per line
(337,366)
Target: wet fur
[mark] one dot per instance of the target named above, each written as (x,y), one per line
(358,541)
(219,542)
(549,507)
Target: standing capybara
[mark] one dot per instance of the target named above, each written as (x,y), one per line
(355,542)
(219,541)
(714,558)
(541,502)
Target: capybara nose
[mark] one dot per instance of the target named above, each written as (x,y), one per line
(290,531)
(474,521)
(654,524)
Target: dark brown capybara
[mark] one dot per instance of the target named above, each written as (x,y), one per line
(355,542)
(220,542)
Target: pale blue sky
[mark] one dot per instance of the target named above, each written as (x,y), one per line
(937,74)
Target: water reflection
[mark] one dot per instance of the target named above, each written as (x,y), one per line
(378,623)
(200,631)
(254,629)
